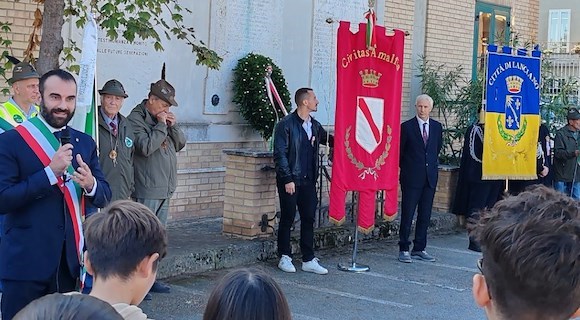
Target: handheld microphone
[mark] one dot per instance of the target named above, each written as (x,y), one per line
(64,139)
(64,136)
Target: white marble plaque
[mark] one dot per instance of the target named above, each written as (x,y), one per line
(239,27)
(135,64)
(324,49)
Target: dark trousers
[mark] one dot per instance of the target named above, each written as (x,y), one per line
(306,200)
(17,294)
(420,198)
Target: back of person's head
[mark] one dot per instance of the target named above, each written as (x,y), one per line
(59,306)
(247,294)
(121,236)
(531,257)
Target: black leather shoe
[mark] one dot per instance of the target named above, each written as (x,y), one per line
(159,287)
(148,297)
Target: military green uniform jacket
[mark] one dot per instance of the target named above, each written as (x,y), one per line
(564,157)
(120,175)
(155,160)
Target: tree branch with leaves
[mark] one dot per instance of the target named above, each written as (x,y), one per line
(129,19)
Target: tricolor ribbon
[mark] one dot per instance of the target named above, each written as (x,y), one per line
(273,93)
(371,22)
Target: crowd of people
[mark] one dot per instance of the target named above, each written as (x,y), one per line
(53,177)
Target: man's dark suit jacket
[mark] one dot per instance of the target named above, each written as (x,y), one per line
(36,226)
(419,163)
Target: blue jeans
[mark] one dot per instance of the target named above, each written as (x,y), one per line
(565,188)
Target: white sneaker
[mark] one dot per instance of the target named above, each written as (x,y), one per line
(314,266)
(285,264)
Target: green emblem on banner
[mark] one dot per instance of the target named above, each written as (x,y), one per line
(18,118)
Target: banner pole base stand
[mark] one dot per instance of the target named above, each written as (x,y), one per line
(353,266)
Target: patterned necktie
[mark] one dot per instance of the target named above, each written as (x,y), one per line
(113,128)
(425,136)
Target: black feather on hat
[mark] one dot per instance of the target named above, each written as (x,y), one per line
(13,59)
(163,90)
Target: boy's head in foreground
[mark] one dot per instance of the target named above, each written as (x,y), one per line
(124,244)
(531,257)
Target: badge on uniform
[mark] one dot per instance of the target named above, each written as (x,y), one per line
(128,142)
(18,118)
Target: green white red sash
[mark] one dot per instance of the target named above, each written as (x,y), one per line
(5,125)
(44,145)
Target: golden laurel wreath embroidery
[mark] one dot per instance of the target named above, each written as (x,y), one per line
(512,139)
(378,163)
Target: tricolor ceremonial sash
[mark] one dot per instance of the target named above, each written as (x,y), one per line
(512,115)
(44,145)
(5,125)
(367,122)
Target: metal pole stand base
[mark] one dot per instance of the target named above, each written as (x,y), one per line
(353,267)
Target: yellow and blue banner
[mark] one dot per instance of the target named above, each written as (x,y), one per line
(512,114)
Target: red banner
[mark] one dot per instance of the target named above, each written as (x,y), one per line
(367,122)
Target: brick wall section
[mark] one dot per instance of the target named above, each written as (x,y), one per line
(21,14)
(525,17)
(449,39)
(200,179)
(445,190)
(400,14)
(250,192)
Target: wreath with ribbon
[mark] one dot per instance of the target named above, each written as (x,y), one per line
(251,96)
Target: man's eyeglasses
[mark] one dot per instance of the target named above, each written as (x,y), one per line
(480,267)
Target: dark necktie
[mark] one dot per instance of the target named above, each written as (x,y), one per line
(57,135)
(425,136)
(113,128)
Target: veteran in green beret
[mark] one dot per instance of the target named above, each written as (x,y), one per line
(116,141)
(158,138)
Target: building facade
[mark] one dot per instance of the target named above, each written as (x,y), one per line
(296,35)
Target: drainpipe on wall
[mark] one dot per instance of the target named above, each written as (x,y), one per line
(418,50)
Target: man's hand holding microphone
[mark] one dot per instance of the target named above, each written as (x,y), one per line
(62,159)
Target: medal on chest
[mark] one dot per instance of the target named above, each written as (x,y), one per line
(113,152)
(113,156)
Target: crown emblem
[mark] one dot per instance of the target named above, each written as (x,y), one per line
(370,78)
(514,84)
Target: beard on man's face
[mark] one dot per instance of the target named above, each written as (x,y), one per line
(52,120)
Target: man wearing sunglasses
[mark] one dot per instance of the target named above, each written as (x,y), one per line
(531,257)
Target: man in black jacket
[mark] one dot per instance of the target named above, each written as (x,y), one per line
(296,141)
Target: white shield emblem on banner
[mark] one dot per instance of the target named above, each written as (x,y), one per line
(369,122)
